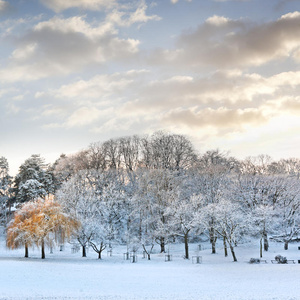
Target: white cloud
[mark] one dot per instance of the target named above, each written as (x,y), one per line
(225,43)
(217,20)
(3,5)
(175,1)
(93,102)
(296,55)
(292,15)
(129,16)
(24,53)
(235,119)
(12,108)
(101,86)
(231,0)
(76,24)
(3,92)
(117,13)
(226,99)
(83,116)
(59,5)
(61,46)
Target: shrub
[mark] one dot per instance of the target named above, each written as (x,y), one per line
(280,259)
(254,261)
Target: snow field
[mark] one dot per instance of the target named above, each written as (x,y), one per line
(66,275)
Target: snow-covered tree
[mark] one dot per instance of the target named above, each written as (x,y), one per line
(97,200)
(289,211)
(183,213)
(78,198)
(156,190)
(262,196)
(5,190)
(109,219)
(213,180)
(168,151)
(34,180)
(229,222)
(263,220)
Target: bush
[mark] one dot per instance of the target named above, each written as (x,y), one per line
(280,259)
(254,261)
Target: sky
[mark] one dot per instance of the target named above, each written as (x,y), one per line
(225,73)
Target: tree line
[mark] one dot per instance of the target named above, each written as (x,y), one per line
(157,189)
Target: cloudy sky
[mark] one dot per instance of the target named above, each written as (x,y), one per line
(224,73)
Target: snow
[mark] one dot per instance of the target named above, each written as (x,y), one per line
(66,275)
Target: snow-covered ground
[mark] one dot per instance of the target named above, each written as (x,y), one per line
(66,275)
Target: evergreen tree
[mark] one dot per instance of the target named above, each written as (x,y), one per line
(5,187)
(33,180)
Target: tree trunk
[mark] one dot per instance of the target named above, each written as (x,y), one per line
(147,252)
(43,249)
(213,246)
(162,245)
(213,240)
(26,250)
(99,254)
(266,242)
(186,245)
(83,251)
(232,252)
(225,246)
(286,245)
(261,248)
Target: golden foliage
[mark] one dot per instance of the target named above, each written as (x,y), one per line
(34,222)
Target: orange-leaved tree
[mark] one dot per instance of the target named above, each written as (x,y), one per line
(36,221)
(19,230)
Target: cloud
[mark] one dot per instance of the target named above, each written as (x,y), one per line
(289,104)
(222,118)
(175,1)
(127,18)
(3,5)
(58,5)
(117,13)
(229,88)
(225,103)
(61,46)
(231,0)
(101,86)
(225,43)
(88,103)
(5,9)
(83,116)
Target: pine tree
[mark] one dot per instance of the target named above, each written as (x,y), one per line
(33,180)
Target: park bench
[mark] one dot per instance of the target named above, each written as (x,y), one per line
(288,261)
(257,261)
